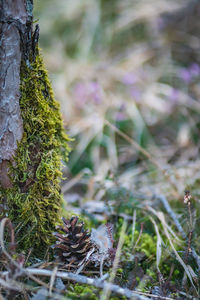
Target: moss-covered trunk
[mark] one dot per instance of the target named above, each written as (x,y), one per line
(31,151)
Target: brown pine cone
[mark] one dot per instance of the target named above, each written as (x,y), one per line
(72,246)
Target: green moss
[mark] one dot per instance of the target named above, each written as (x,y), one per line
(34,201)
(148,244)
(85,292)
(78,291)
(176,272)
(137,278)
(150,273)
(119,271)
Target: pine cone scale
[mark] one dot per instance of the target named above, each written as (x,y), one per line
(73,246)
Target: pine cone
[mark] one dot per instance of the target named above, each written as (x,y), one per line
(72,246)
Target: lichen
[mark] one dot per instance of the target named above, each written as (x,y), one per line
(34,201)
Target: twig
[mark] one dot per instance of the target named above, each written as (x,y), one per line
(187,201)
(85,261)
(52,280)
(98,283)
(27,258)
(186,295)
(189,249)
(8,286)
(14,285)
(90,281)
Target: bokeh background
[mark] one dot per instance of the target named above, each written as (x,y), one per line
(126,73)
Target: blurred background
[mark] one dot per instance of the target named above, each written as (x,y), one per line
(126,73)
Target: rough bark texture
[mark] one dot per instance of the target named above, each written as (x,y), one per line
(15,19)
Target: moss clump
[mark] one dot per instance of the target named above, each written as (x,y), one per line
(147,244)
(34,201)
(81,291)
(85,292)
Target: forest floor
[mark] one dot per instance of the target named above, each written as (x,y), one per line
(127,78)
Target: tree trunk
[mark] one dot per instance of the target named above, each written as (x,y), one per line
(32,138)
(12,17)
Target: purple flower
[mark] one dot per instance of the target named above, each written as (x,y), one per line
(174,95)
(95,92)
(135,93)
(190,73)
(194,70)
(85,92)
(129,79)
(185,75)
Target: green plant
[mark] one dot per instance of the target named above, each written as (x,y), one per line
(34,201)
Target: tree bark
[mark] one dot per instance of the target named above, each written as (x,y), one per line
(15,27)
